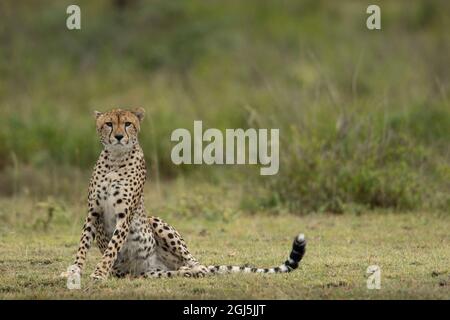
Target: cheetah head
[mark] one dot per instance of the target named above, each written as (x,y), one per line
(118,129)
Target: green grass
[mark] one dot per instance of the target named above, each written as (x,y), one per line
(411,249)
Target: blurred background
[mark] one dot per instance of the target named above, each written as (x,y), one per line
(364,116)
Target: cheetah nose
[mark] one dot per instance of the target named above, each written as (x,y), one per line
(118,137)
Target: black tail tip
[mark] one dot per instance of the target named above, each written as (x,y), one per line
(299,247)
(297,253)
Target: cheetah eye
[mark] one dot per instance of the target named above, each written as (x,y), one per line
(127,124)
(109,124)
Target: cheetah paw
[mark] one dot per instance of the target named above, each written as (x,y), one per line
(201,271)
(99,275)
(198,271)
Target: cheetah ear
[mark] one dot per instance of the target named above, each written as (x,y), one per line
(139,113)
(97,114)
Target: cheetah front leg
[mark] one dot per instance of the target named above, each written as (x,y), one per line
(87,236)
(116,243)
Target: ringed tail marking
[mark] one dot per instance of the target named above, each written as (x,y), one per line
(296,255)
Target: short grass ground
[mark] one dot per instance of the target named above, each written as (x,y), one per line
(364,119)
(411,249)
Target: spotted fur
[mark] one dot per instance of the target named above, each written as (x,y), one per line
(131,243)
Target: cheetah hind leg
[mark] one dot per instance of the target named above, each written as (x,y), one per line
(172,249)
(197,271)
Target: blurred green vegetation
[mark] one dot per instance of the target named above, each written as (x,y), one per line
(364,116)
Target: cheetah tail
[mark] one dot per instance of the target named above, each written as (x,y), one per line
(296,255)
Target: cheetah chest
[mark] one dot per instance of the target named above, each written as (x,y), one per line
(109,195)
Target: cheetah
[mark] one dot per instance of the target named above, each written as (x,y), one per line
(133,244)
